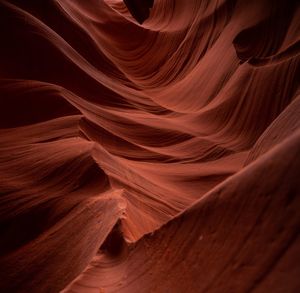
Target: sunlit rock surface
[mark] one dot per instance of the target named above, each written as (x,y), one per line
(150,146)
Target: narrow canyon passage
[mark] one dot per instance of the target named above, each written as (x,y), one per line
(150,146)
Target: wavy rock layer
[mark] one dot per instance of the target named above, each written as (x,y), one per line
(159,153)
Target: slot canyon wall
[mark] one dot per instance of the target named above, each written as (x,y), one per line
(150,146)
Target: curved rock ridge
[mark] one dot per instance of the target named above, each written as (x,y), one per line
(149,146)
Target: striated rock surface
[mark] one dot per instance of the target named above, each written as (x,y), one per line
(150,146)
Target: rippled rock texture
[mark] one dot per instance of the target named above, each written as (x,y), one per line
(150,146)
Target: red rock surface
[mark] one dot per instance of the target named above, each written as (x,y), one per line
(153,147)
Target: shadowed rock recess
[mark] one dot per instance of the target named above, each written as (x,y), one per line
(150,146)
